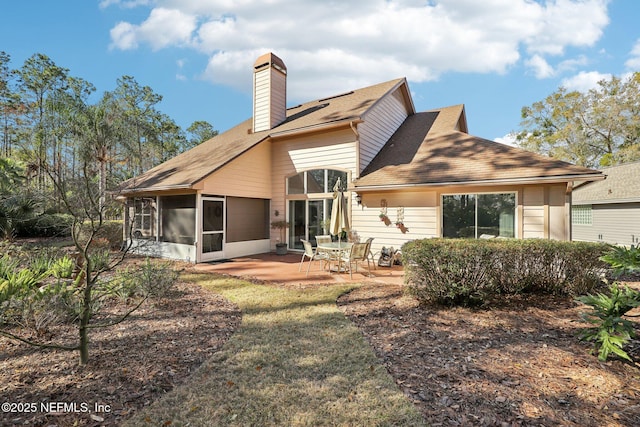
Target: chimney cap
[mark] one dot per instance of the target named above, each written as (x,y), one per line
(270,59)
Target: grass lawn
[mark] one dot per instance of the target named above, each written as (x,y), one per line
(295,360)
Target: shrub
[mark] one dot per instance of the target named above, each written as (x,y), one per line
(111,231)
(62,268)
(151,279)
(46,225)
(610,331)
(45,307)
(470,271)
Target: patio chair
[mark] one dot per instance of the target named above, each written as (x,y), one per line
(370,252)
(312,254)
(324,239)
(359,253)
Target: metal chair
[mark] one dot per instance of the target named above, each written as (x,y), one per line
(312,254)
(359,253)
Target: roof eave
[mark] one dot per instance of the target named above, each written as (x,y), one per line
(315,128)
(510,181)
(156,189)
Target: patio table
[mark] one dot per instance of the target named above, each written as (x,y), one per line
(335,249)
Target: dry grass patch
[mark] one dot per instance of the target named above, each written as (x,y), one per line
(295,360)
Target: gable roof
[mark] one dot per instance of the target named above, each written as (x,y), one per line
(621,185)
(190,167)
(427,150)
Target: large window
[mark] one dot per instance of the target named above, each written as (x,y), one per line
(315,181)
(310,195)
(478,215)
(581,215)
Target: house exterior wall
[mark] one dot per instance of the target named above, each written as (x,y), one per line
(541,212)
(615,223)
(380,123)
(332,150)
(247,176)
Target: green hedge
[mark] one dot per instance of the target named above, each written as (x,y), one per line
(470,271)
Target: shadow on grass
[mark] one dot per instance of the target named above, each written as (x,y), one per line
(295,360)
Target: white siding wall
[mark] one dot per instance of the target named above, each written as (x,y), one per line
(612,223)
(379,124)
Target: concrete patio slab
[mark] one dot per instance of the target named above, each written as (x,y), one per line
(283,269)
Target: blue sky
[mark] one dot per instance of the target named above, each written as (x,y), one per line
(494,56)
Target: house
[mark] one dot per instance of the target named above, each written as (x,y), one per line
(609,211)
(410,175)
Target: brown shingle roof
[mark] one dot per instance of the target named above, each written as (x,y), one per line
(425,150)
(186,169)
(622,185)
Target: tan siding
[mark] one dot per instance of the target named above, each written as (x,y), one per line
(533,212)
(278,98)
(379,124)
(557,212)
(334,150)
(612,223)
(420,217)
(247,176)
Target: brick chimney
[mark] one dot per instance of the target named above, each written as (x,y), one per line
(269,92)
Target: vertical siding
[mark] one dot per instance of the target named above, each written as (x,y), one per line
(379,124)
(612,223)
(533,213)
(247,176)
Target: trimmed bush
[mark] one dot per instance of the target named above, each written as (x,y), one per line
(471,272)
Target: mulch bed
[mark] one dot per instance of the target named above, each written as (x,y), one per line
(131,364)
(516,365)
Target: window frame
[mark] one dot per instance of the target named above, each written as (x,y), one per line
(476,195)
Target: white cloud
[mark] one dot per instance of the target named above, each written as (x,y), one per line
(331,47)
(540,66)
(163,28)
(508,139)
(633,63)
(584,81)
(125,4)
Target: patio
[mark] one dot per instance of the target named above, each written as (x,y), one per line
(283,270)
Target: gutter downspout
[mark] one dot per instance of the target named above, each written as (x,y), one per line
(354,129)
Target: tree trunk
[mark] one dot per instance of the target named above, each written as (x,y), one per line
(85,316)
